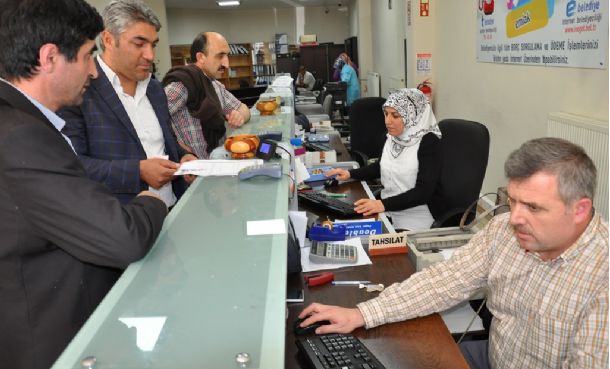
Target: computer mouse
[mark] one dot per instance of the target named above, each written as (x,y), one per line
(331,182)
(310,329)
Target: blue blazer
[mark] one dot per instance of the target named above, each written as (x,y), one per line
(106,141)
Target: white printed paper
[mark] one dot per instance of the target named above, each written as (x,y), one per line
(215,167)
(261,227)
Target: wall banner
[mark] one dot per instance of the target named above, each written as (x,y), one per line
(561,33)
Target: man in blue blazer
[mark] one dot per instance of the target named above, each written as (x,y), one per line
(121,131)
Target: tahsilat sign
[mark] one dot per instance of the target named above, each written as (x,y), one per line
(561,33)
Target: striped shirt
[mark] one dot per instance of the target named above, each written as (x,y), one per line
(547,314)
(187,128)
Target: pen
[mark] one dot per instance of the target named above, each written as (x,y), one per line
(349,283)
(331,194)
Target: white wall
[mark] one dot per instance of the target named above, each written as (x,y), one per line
(511,100)
(238,26)
(420,40)
(388,32)
(361,27)
(257,25)
(333,26)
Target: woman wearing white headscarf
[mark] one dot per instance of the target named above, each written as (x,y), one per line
(410,163)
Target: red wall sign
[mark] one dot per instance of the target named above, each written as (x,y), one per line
(423,8)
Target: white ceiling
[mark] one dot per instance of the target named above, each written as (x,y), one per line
(253,4)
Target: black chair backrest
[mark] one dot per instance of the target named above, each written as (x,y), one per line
(465,146)
(318,84)
(367,126)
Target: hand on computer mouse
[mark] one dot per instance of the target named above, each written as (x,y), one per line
(338,173)
(310,329)
(342,320)
(331,182)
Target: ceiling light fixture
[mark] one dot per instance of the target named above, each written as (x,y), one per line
(228,3)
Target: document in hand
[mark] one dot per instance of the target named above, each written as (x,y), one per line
(206,168)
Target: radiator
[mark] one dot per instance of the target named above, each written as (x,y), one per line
(592,135)
(372,84)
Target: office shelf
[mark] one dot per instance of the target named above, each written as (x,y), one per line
(240,64)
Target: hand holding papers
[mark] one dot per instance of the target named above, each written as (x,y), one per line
(216,167)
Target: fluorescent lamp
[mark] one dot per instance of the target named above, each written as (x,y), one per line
(228,3)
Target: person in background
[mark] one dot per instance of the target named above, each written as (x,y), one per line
(196,112)
(65,237)
(348,60)
(349,76)
(544,266)
(410,163)
(121,131)
(305,79)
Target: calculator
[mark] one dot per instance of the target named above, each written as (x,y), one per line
(325,252)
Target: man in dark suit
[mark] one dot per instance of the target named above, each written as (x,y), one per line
(121,131)
(63,235)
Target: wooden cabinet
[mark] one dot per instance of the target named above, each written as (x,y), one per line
(319,59)
(180,54)
(240,72)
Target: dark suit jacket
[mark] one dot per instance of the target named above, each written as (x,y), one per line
(62,236)
(106,140)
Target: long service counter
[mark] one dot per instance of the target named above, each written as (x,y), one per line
(207,295)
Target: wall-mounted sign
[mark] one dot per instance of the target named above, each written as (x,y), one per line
(567,33)
(424,64)
(424,8)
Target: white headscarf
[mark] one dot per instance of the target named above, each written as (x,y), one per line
(417,116)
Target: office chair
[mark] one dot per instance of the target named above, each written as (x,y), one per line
(327,104)
(339,92)
(367,129)
(465,146)
(317,86)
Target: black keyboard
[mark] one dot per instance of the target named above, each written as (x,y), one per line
(330,204)
(339,351)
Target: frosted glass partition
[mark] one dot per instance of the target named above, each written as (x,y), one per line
(209,294)
(282,120)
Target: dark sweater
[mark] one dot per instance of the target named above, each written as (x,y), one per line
(429,155)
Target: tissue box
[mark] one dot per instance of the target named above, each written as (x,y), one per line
(320,157)
(322,126)
(309,39)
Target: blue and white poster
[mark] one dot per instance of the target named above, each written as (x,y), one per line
(562,33)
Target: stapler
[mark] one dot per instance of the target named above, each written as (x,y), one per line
(324,232)
(318,279)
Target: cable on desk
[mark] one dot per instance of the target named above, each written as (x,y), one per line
(294,181)
(293,184)
(283,148)
(472,320)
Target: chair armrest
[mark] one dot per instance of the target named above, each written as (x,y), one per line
(359,157)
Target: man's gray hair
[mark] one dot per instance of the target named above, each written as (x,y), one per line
(120,14)
(575,170)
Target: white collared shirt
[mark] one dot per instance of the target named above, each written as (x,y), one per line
(55,119)
(145,122)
